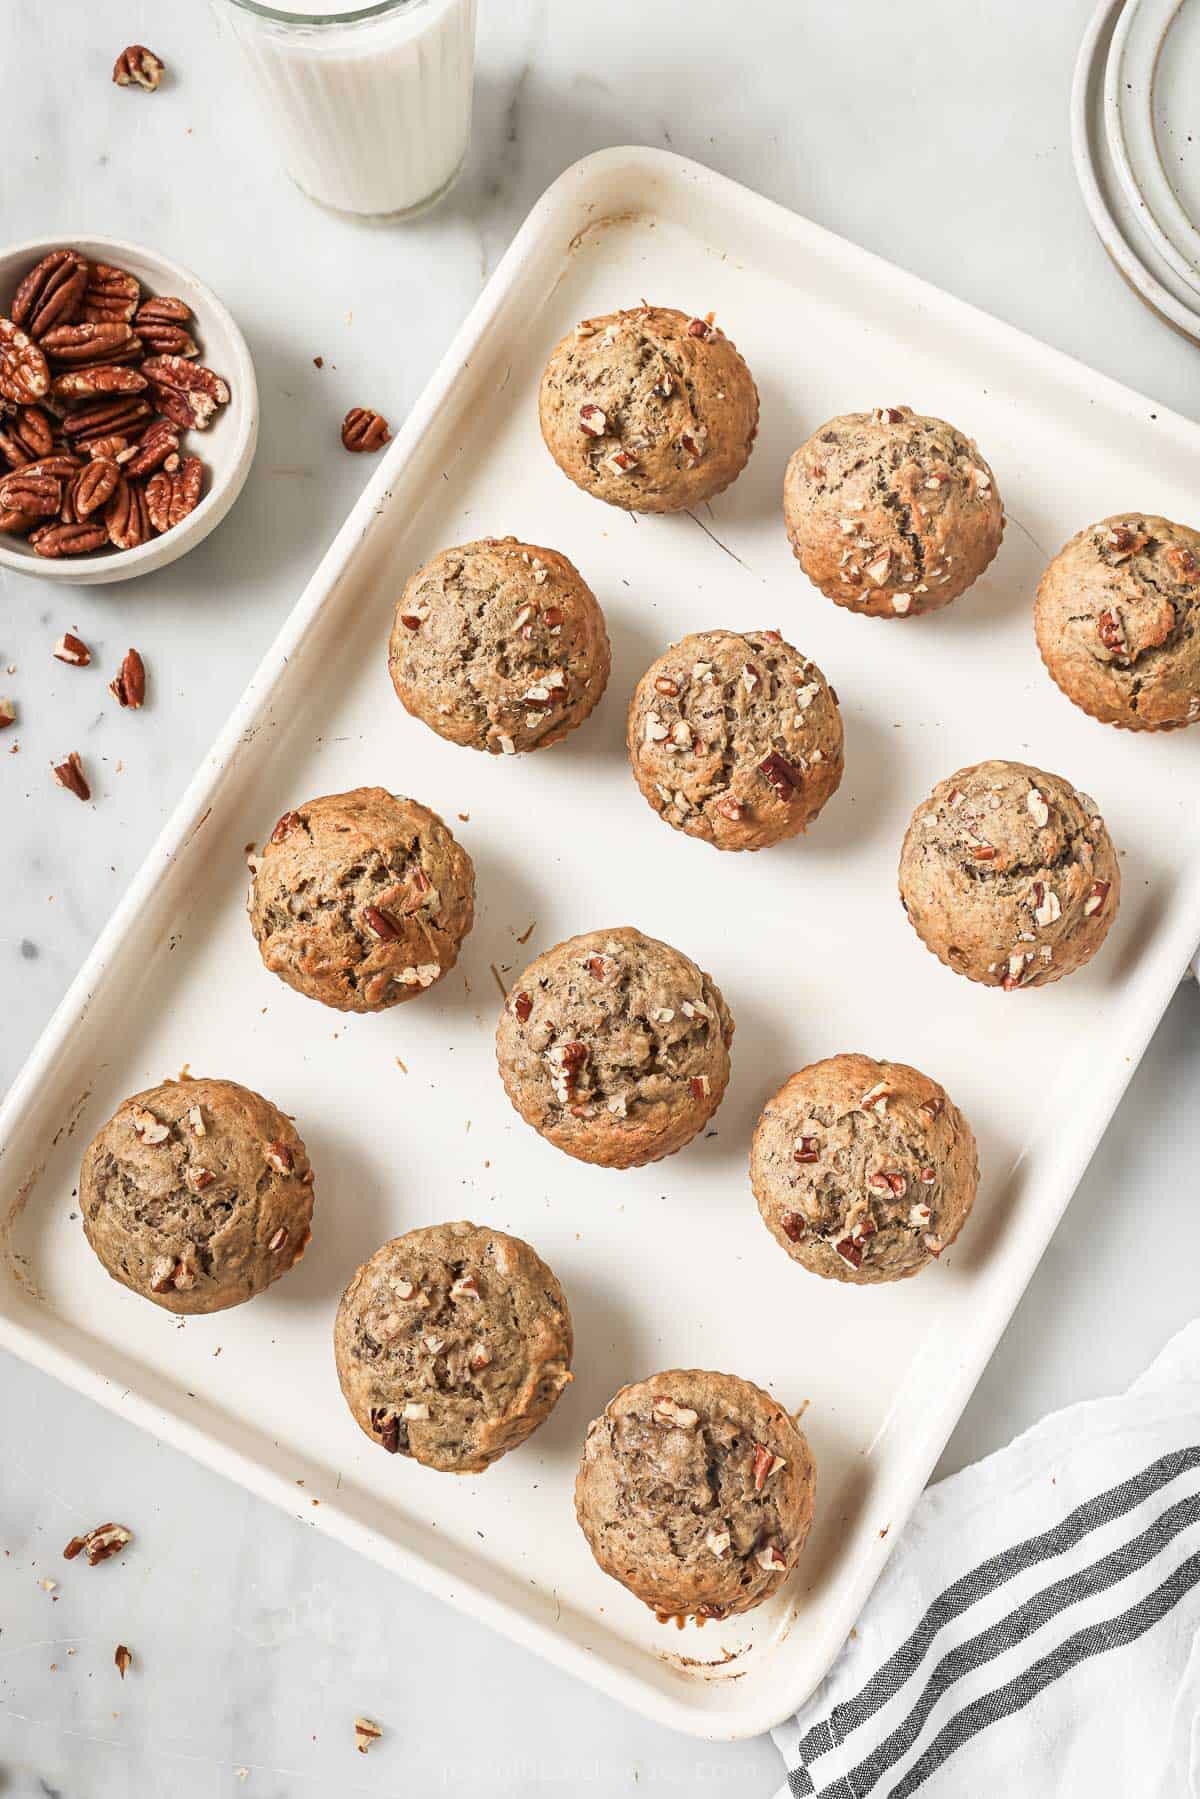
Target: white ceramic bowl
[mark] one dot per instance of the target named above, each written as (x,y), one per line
(226,448)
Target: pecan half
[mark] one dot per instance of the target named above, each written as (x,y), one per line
(15,524)
(111,295)
(129,686)
(125,517)
(53,541)
(69,774)
(157,444)
(98,378)
(24,374)
(188,393)
(137,66)
(30,434)
(164,309)
(51,293)
(92,340)
(37,495)
(161,322)
(364,430)
(170,497)
(94,486)
(103,417)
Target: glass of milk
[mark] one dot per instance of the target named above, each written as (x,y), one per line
(372,104)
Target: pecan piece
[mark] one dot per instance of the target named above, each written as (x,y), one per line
(69,774)
(1184,564)
(366,1732)
(94,486)
(73,650)
(1111,635)
(103,417)
(157,444)
(98,378)
(522,1006)
(364,430)
(24,374)
(383,924)
(99,1544)
(171,496)
(188,393)
(128,687)
(287,823)
(780,773)
(36,495)
(111,295)
(122,1659)
(126,518)
(793,1226)
(92,340)
(51,293)
(392,1434)
(8,714)
(138,66)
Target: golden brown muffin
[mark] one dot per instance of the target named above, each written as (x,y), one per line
(1008,875)
(649,409)
(499,645)
(696,1492)
(615,1047)
(891,514)
(1118,622)
(361,900)
(453,1344)
(863,1171)
(197,1194)
(735,739)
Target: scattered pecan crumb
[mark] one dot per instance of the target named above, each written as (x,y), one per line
(318,362)
(122,1659)
(365,1733)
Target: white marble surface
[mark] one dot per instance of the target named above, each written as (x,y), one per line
(936,137)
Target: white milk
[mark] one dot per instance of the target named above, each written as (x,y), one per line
(373,114)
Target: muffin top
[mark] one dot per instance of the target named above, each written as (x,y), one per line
(452,1344)
(735,738)
(864,1171)
(890,513)
(361,899)
(696,1492)
(1009,875)
(499,645)
(651,409)
(1118,621)
(197,1194)
(615,1047)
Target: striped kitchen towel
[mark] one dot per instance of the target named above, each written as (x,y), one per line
(1037,1630)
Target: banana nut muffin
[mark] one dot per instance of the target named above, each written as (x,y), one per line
(1118,622)
(649,409)
(499,645)
(863,1171)
(361,900)
(696,1492)
(735,738)
(452,1345)
(1009,876)
(615,1047)
(197,1194)
(890,513)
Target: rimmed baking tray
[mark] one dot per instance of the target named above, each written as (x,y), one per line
(404,1114)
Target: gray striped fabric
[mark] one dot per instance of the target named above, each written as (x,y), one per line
(1037,1630)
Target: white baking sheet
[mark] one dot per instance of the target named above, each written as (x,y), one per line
(666,1265)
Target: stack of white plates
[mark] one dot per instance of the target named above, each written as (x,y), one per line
(1135,137)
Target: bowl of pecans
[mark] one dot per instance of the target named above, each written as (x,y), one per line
(128,410)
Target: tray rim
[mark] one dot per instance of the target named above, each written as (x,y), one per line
(641,168)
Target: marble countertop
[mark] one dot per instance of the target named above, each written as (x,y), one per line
(935,139)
